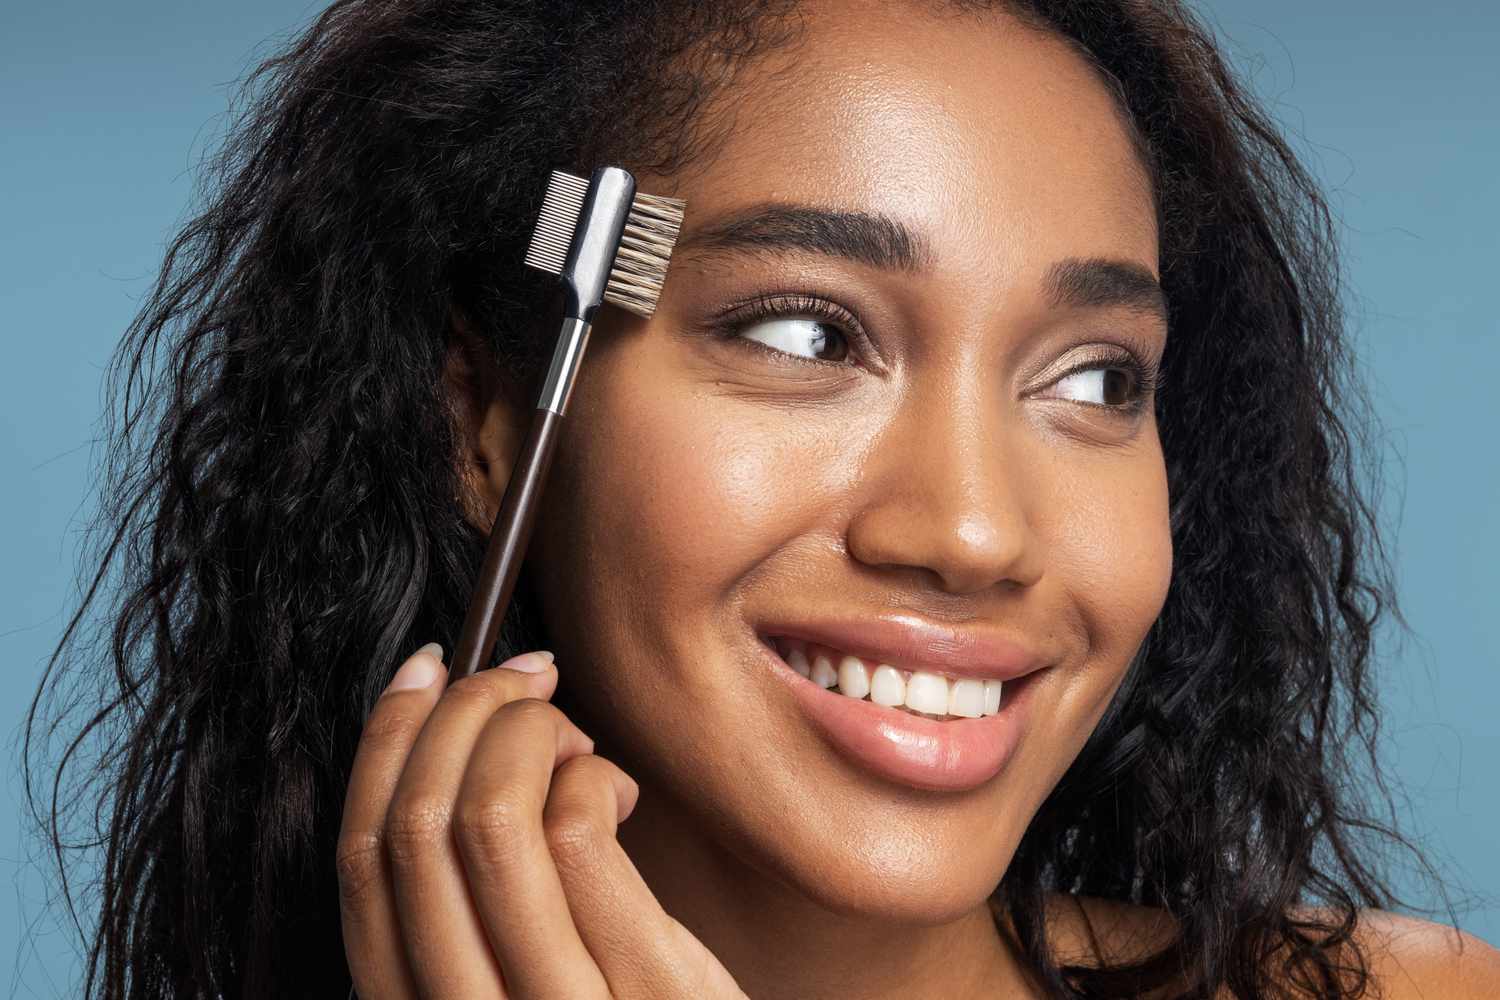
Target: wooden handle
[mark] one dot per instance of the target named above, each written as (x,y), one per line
(507,547)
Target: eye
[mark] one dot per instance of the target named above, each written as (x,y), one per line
(1102,385)
(1109,379)
(801,336)
(796,327)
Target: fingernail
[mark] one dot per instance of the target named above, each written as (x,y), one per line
(419,671)
(529,663)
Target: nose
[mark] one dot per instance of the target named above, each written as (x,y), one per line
(940,497)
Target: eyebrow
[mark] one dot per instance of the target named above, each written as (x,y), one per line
(863,237)
(1099,282)
(880,241)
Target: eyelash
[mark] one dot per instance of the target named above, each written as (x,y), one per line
(1144,379)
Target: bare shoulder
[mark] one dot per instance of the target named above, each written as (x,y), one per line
(1409,958)
(1415,959)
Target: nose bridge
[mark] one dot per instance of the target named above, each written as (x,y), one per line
(940,493)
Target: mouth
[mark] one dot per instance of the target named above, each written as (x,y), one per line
(939,730)
(931,694)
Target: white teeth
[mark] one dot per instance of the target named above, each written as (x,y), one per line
(927,693)
(966,698)
(822,671)
(886,687)
(797,660)
(854,679)
(921,691)
(992,696)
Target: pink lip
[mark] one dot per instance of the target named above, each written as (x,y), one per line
(949,756)
(915,644)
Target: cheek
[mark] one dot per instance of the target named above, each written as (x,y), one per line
(679,495)
(649,517)
(1112,548)
(1109,555)
(673,495)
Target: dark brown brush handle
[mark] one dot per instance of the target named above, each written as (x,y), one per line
(507,547)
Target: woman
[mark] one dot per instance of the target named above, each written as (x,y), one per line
(1001,343)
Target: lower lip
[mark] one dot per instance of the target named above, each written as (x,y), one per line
(951,756)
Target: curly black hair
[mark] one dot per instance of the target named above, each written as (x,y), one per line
(278,524)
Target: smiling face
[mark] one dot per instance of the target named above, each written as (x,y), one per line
(938,426)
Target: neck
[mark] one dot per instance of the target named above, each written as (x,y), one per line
(779,944)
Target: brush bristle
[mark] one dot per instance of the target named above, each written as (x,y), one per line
(640,267)
(548,249)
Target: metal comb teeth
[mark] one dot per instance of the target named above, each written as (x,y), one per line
(640,265)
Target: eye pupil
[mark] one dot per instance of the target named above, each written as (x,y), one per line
(820,343)
(1116,386)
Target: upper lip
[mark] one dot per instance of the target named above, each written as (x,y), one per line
(913,643)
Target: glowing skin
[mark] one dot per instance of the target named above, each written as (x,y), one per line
(704,486)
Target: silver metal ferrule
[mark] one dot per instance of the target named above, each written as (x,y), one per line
(571,340)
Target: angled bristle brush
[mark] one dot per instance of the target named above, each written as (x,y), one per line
(606,242)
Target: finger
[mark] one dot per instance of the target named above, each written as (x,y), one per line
(444,939)
(642,950)
(502,841)
(367,909)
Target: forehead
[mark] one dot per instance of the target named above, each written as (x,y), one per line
(995,142)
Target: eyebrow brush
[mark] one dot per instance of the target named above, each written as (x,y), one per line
(606,242)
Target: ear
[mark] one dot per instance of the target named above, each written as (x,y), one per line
(492,421)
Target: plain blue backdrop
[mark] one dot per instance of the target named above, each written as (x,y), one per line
(106,108)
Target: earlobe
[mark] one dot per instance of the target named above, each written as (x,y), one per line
(490,423)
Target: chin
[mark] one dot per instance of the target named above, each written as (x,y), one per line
(898,882)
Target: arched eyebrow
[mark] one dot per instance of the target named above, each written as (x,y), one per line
(1101,282)
(883,242)
(863,237)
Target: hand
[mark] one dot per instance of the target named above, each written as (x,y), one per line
(477,856)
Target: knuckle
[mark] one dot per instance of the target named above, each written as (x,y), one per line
(491,829)
(573,836)
(479,691)
(415,830)
(573,826)
(358,859)
(390,729)
(530,712)
(489,687)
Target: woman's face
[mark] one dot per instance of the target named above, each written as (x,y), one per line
(962,198)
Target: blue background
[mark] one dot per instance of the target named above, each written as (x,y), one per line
(106,108)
